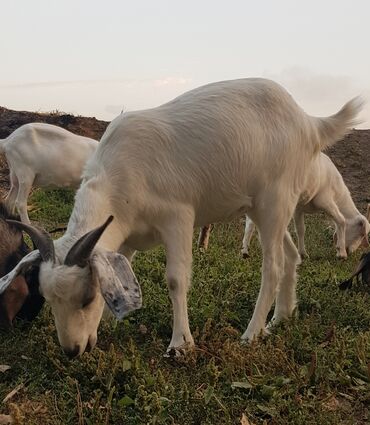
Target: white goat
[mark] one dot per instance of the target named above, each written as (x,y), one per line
(43,155)
(325,191)
(227,148)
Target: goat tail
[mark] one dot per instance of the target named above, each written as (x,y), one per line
(334,128)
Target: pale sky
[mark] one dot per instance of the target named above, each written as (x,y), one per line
(96,58)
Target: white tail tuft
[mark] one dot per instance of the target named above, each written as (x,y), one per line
(334,128)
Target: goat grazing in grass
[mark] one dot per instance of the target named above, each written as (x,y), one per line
(218,151)
(21,298)
(325,191)
(43,155)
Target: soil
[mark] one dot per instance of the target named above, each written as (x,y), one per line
(350,155)
(352,158)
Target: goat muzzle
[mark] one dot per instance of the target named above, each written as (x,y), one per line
(72,353)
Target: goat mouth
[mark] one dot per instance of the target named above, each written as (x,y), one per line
(72,353)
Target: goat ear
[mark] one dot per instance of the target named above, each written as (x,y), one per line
(27,262)
(117,281)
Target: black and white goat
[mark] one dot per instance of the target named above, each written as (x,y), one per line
(218,151)
(43,155)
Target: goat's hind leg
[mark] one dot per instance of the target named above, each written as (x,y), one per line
(25,178)
(13,192)
(272,269)
(286,296)
(272,226)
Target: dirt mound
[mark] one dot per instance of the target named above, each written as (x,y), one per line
(84,126)
(350,155)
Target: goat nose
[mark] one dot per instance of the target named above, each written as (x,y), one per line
(71,353)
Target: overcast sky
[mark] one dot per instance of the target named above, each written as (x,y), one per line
(96,58)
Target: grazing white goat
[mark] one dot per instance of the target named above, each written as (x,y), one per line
(227,148)
(43,155)
(325,191)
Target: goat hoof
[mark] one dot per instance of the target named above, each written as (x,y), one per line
(249,337)
(245,255)
(180,351)
(304,255)
(174,353)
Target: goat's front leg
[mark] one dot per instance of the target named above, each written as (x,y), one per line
(332,209)
(300,230)
(177,239)
(249,230)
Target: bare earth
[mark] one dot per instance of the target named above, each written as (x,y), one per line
(350,155)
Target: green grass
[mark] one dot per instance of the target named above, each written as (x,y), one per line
(313,370)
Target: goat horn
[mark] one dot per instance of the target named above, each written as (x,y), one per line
(80,252)
(40,238)
(368,212)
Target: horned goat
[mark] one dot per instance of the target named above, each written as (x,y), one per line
(21,298)
(43,155)
(209,155)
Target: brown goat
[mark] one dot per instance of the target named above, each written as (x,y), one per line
(22,298)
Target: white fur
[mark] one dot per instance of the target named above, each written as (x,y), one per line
(227,148)
(43,155)
(325,191)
